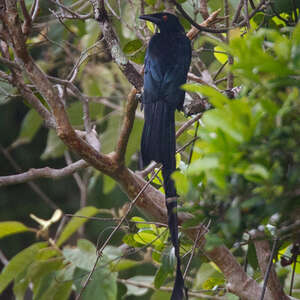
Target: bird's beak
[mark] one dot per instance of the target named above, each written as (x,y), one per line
(150,18)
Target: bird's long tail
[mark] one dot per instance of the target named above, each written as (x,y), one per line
(159,144)
(171,203)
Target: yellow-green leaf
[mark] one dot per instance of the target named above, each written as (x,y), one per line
(12,227)
(220,55)
(77,221)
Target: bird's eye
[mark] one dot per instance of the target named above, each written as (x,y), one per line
(165,18)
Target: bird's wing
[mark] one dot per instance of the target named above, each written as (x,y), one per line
(166,72)
(176,74)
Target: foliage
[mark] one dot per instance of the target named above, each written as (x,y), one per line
(247,155)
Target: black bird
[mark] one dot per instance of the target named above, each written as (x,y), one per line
(167,62)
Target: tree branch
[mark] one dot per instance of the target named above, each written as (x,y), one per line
(263,252)
(238,281)
(117,54)
(47,172)
(126,127)
(64,129)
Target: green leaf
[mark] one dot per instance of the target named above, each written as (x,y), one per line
(137,291)
(80,258)
(109,137)
(130,241)
(181,181)
(256,173)
(134,140)
(49,288)
(169,259)
(138,57)
(19,263)
(12,227)
(211,282)
(102,284)
(112,252)
(203,164)
(147,237)
(132,46)
(7,92)
(76,222)
(221,57)
(212,241)
(75,111)
(160,277)
(92,33)
(39,269)
(108,184)
(123,264)
(168,262)
(55,147)
(140,224)
(151,2)
(150,26)
(191,87)
(252,257)
(30,126)
(21,285)
(216,98)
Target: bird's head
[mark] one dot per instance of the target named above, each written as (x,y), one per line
(166,22)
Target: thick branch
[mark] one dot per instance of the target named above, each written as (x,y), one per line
(263,252)
(126,126)
(238,281)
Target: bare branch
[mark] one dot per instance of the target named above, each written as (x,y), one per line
(27,19)
(237,12)
(211,19)
(197,294)
(203,9)
(32,185)
(46,172)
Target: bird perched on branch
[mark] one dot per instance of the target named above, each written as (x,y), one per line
(167,62)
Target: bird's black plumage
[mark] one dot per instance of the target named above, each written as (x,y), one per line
(167,62)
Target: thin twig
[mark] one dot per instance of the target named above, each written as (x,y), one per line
(168,289)
(293,276)
(266,277)
(200,233)
(247,13)
(191,21)
(237,12)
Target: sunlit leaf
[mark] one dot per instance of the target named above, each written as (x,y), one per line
(76,222)
(220,54)
(150,26)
